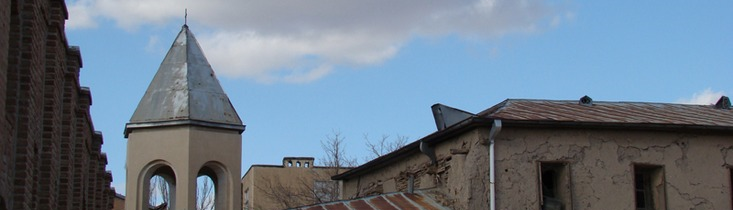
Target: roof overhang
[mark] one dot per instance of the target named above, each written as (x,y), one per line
(475,122)
(131,126)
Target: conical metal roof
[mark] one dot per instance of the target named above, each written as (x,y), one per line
(185,91)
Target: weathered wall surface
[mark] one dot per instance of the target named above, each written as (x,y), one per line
(601,163)
(601,166)
(458,181)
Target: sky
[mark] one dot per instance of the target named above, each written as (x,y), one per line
(298,72)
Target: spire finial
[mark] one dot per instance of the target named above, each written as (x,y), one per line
(185,16)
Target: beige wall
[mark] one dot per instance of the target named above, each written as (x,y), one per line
(118,203)
(186,150)
(279,187)
(600,162)
(601,166)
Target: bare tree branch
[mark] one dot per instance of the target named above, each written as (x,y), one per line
(317,186)
(335,154)
(285,196)
(159,192)
(205,193)
(384,145)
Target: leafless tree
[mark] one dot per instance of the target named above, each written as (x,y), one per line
(335,160)
(159,193)
(205,193)
(284,195)
(335,155)
(384,145)
(316,186)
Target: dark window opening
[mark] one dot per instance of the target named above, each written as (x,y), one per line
(730,174)
(555,192)
(649,187)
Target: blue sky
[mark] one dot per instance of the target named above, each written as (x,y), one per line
(296,71)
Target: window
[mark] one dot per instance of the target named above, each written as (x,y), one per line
(649,187)
(554,183)
(246,199)
(730,179)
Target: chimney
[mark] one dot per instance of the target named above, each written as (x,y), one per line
(586,100)
(446,116)
(723,103)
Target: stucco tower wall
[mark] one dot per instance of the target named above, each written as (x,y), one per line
(186,149)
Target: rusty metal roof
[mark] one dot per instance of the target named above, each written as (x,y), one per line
(610,112)
(392,201)
(185,91)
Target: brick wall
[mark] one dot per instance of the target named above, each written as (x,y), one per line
(50,155)
(68,134)
(5,144)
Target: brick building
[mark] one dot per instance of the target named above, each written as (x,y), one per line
(50,154)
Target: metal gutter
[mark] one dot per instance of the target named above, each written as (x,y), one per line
(495,129)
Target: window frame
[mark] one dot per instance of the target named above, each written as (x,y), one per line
(566,194)
(656,174)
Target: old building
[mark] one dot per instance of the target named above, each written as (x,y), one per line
(549,154)
(184,127)
(297,182)
(50,154)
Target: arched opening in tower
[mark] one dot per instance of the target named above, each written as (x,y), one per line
(161,189)
(205,193)
(159,193)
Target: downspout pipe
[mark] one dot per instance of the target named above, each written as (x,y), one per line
(495,129)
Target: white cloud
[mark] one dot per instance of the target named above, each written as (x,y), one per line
(152,46)
(301,41)
(80,15)
(705,97)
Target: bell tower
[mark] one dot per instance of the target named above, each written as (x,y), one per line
(184,127)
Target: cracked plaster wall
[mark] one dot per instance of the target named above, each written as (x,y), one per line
(601,166)
(696,168)
(458,181)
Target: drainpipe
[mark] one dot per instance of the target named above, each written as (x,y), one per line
(495,129)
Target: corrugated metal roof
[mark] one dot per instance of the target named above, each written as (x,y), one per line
(185,91)
(392,201)
(611,112)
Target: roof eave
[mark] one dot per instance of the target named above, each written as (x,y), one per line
(414,147)
(474,122)
(131,126)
